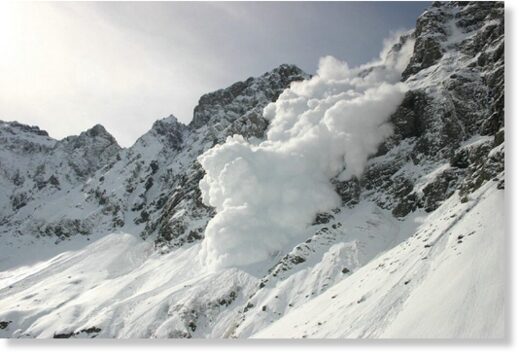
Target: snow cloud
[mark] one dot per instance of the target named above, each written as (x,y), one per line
(265,195)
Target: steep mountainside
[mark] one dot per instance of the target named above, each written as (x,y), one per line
(140,189)
(35,169)
(100,241)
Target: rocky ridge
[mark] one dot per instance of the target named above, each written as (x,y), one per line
(150,188)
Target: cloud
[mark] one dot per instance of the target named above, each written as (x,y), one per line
(266,195)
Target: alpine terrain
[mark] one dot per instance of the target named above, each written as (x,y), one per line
(363,202)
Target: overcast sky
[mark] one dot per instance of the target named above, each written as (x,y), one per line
(68,66)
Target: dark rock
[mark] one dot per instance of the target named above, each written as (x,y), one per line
(406,205)
(501,185)
(235,99)
(297,259)
(91,330)
(63,335)
(192,326)
(322,218)
(409,120)
(439,190)
(430,32)
(349,191)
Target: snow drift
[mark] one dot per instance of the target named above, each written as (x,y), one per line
(266,194)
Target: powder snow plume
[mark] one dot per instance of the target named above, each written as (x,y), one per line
(266,194)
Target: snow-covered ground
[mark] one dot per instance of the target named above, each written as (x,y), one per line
(447,280)
(434,276)
(114,285)
(120,285)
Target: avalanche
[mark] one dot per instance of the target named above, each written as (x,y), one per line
(265,195)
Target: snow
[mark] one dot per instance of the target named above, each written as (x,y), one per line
(408,278)
(265,268)
(446,281)
(119,285)
(330,257)
(266,195)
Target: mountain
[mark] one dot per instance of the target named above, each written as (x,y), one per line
(136,190)
(397,231)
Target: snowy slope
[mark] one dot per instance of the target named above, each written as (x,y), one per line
(111,288)
(123,287)
(447,280)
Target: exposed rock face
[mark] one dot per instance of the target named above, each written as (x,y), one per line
(410,118)
(451,121)
(168,132)
(430,32)
(228,105)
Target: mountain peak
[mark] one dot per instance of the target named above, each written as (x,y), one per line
(85,138)
(170,120)
(99,130)
(167,130)
(243,95)
(23,127)
(287,70)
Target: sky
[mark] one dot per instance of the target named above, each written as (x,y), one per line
(68,66)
